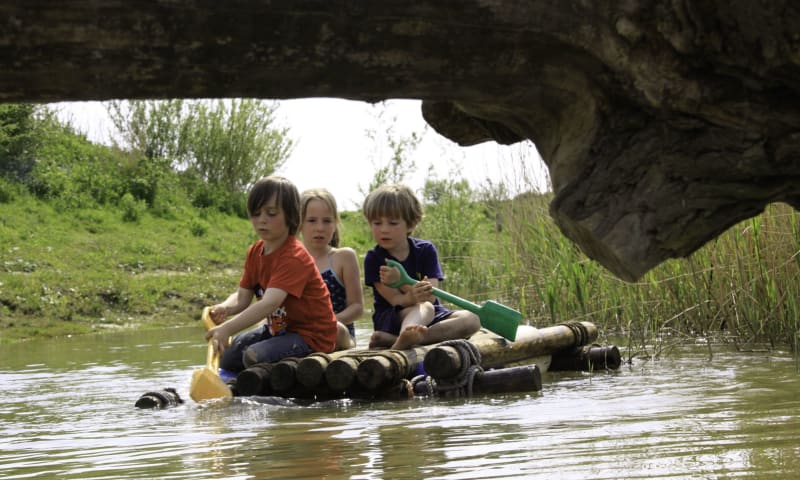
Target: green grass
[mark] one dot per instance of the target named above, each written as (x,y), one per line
(79,271)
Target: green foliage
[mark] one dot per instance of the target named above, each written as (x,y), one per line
(233,142)
(17,140)
(153,129)
(452,219)
(132,208)
(198,227)
(218,148)
(144,177)
(8,190)
(739,288)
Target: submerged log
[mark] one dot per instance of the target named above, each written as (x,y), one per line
(159,399)
(446,361)
(523,378)
(526,378)
(541,361)
(586,358)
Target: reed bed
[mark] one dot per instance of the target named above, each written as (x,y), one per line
(741,288)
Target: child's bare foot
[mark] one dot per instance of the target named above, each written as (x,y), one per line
(410,336)
(381,339)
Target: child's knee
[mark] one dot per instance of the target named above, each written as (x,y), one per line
(249,358)
(475,324)
(471,322)
(427,312)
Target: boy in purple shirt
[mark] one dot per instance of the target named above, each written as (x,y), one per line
(408,315)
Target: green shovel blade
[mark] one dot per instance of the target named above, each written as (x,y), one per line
(494,316)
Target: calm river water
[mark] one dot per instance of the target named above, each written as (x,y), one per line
(67,411)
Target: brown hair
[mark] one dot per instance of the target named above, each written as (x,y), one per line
(286,197)
(393,201)
(326,197)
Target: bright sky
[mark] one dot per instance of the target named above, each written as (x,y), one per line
(332,149)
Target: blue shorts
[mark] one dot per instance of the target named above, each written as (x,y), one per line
(267,348)
(389,320)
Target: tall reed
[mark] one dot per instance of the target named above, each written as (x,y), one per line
(743,287)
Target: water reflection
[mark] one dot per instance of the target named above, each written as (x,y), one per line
(66,411)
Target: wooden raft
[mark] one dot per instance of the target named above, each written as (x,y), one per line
(390,374)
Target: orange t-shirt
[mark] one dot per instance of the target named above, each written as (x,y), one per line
(307,308)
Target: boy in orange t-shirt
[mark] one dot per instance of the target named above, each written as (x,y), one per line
(279,271)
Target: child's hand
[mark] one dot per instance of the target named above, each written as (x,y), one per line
(423,291)
(218,314)
(389,275)
(219,338)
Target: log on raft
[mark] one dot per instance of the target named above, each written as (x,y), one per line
(254,380)
(311,370)
(283,376)
(446,361)
(373,369)
(341,373)
(518,379)
(390,367)
(523,378)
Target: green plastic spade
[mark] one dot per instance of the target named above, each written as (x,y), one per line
(496,317)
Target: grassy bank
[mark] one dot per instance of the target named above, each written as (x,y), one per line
(87,270)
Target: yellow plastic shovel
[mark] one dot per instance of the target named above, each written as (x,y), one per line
(206,384)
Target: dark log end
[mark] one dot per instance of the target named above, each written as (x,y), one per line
(442,362)
(254,380)
(341,373)
(311,371)
(375,372)
(282,378)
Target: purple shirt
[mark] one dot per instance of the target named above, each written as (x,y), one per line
(422,261)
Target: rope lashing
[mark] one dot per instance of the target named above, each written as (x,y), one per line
(398,362)
(430,384)
(460,384)
(579,331)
